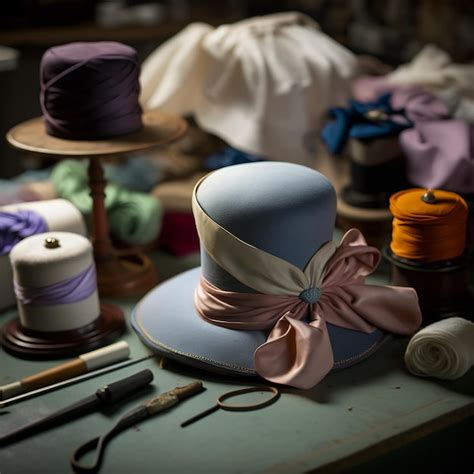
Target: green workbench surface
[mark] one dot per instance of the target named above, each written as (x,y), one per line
(354,417)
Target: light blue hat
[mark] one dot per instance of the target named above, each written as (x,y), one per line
(284,209)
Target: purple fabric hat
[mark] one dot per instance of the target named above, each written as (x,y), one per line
(90,90)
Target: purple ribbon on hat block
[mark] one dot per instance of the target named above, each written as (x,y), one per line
(68,291)
(16,226)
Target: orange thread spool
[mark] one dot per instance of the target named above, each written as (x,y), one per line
(428,231)
(427,251)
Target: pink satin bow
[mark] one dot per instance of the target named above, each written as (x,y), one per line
(297,352)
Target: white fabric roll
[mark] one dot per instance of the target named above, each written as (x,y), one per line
(444,349)
(35,265)
(262,85)
(60,215)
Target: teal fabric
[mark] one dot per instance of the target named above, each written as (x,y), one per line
(136,174)
(134,218)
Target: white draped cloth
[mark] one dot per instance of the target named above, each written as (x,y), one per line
(262,85)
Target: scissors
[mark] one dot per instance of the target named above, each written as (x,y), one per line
(221,402)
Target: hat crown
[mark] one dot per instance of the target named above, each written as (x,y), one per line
(285,209)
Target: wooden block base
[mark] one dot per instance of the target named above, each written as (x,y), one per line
(28,344)
(442,287)
(125,274)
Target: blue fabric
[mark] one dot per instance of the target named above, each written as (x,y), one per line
(353,122)
(136,174)
(227,157)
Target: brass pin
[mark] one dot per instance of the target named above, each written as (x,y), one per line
(376,115)
(429,197)
(51,243)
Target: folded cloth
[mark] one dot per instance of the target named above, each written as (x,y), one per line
(136,174)
(21,188)
(364,121)
(262,84)
(16,226)
(440,154)
(227,157)
(134,218)
(432,67)
(444,349)
(419,104)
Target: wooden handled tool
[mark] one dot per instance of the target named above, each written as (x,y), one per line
(84,363)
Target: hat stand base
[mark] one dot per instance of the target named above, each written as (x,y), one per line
(442,287)
(28,344)
(125,275)
(375,224)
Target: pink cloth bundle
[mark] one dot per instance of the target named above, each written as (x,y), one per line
(440,155)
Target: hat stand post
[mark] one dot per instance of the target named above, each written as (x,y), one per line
(118,273)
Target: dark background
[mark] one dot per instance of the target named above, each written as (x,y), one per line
(391,30)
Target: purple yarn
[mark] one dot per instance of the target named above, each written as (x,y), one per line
(16,226)
(68,291)
(89,91)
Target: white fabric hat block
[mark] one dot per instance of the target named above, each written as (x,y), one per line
(37,266)
(59,215)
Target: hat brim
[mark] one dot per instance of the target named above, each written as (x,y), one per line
(159,128)
(167,321)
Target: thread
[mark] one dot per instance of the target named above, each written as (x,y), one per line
(428,232)
(90,90)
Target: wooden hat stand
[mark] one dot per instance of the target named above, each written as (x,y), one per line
(119,273)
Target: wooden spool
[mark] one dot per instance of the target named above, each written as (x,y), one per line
(442,287)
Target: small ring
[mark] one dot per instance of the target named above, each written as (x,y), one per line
(235,393)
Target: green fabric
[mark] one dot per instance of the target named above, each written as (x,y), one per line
(134,218)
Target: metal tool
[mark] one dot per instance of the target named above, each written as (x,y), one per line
(225,406)
(74,380)
(103,397)
(152,407)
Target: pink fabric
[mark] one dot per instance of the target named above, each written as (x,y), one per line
(297,352)
(419,104)
(440,154)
